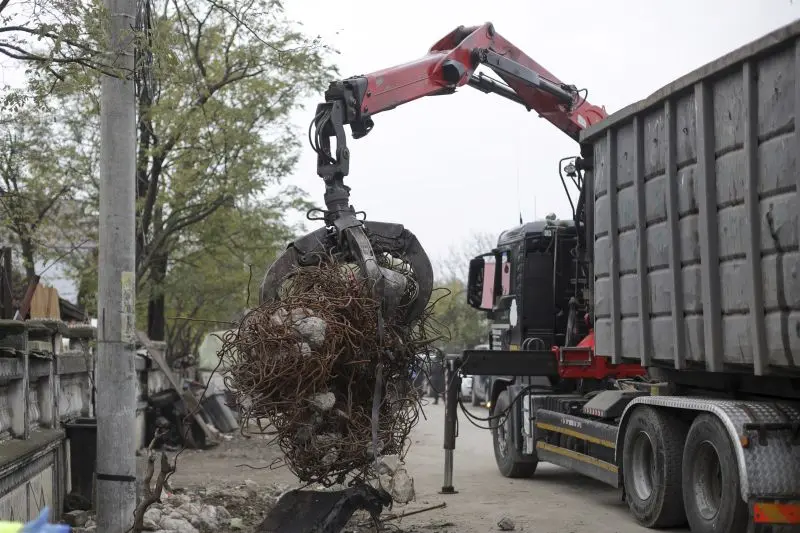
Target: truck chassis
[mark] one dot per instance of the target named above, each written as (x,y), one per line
(719,464)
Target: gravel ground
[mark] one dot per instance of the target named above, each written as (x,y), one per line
(237,476)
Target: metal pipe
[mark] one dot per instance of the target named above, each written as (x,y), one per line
(447,486)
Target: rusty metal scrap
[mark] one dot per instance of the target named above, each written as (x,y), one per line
(312,363)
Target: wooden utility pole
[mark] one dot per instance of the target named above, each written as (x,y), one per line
(116,375)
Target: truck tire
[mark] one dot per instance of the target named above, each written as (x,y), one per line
(510,461)
(711,486)
(651,467)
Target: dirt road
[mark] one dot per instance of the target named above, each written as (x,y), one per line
(554,500)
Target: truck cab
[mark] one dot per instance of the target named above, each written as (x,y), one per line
(532,286)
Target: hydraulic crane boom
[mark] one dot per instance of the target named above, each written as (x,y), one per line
(449,64)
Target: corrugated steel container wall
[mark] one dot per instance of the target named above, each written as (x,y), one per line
(695,217)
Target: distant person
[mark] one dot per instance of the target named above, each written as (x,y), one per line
(436,381)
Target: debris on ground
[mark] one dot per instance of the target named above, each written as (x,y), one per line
(506,524)
(394,479)
(76,518)
(330,374)
(217,509)
(247,504)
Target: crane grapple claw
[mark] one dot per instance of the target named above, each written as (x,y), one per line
(387,254)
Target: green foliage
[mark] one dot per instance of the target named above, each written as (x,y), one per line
(214,133)
(214,128)
(40,190)
(218,277)
(466,326)
(52,38)
(217,81)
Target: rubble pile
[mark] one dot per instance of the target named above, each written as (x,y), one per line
(220,509)
(181,515)
(328,373)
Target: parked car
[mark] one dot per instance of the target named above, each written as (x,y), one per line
(466,387)
(480,385)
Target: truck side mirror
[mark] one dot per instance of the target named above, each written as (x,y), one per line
(478,284)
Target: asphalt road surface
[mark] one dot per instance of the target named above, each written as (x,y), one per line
(554,500)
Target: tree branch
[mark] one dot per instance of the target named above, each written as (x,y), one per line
(255,34)
(16,52)
(43,212)
(152,494)
(38,32)
(174,225)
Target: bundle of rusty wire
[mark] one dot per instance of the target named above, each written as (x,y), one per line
(308,365)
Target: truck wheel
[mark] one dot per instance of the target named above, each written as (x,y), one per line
(711,490)
(651,468)
(510,461)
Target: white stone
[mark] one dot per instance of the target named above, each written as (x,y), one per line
(222,512)
(251,487)
(388,464)
(236,523)
(312,329)
(384,481)
(152,518)
(284,317)
(402,486)
(323,401)
(211,518)
(179,525)
(300,313)
(279,317)
(506,524)
(188,510)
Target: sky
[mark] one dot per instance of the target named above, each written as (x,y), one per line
(453,166)
(449,167)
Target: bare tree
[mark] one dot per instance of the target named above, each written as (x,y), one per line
(456,265)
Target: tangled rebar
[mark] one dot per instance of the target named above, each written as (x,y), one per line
(332,380)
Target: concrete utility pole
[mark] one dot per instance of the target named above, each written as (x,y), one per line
(116,377)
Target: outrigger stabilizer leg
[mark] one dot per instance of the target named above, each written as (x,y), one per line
(452,388)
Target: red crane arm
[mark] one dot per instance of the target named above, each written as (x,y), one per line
(449,64)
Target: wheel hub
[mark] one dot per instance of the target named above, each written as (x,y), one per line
(502,443)
(643,466)
(707,480)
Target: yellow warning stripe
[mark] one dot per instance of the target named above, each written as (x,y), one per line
(572,433)
(577,456)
